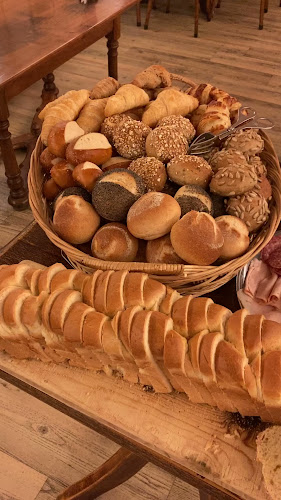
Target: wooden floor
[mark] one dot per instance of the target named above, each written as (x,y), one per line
(41,451)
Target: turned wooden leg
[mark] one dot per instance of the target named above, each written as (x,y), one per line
(205,496)
(148,12)
(262,4)
(218,4)
(18,197)
(115,471)
(138,14)
(112,45)
(168,4)
(266,6)
(196,18)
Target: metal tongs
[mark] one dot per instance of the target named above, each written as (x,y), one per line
(245,119)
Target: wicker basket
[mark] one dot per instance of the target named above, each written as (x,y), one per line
(197,280)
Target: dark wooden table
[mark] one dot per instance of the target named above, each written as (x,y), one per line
(36,37)
(197,443)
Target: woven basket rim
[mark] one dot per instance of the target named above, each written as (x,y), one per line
(178,274)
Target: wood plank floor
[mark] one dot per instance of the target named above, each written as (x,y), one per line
(41,451)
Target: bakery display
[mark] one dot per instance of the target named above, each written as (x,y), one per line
(114,242)
(139,134)
(115,192)
(127,324)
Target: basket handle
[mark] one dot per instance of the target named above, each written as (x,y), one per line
(183,79)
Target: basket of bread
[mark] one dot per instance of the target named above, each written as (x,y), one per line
(113,185)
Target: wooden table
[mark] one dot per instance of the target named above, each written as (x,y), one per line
(199,444)
(35,38)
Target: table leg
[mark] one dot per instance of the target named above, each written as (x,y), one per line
(138,14)
(115,471)
(196,18)
(261,14)
(266,6)
(148,12)
(112,45)
(18,197)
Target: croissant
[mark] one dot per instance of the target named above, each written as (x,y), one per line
(60,99)
(202,93)
(169,102)
(104,88)
(215,119)
(205,93)
(65,110)
(92,115)
(152,77)
(127,97)
(197,114)
(127,323)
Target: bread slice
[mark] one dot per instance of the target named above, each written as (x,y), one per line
(207,357)
(268,453)
(217,317)
(72,331)
(14,275)
(134,289)
(113,347)
(168,301)
(175,351)
(60,308)
(180,314)
(63,280)
(31,277)
(45,278)
(31,318)
(115,296)
(150,373)
(93,352)
(271,336)
(271,383)
(125,322)
(197,317)
(129,367)
(101,291)
(88,289)
(153,294)
(234,330)
(194,373)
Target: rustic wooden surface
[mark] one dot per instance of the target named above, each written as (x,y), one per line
(191,440)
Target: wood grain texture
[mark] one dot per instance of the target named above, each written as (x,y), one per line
(189,440)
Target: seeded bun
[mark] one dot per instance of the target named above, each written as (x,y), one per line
(109,125)
(75,220)
(250,207)
(160,251)
(166,142)
(236,236)
(153,215)
(114,242)
(152,172)
(115,192)
(188,169)
(248,141)
(197,239)
(191,197)
(260,167)
(129,138)
(227,158)
(264,187)
(232,181)
(184,124)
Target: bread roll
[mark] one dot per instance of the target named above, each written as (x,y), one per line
(76,191)
(62,172)
(153,215)
(114,242)
(152,172)
(109,124)
(188,169)
(197,239)
(46,159)
(248,141)
(129,138)
(232,181)
(251,207)
(61,135)
(75,220)
(160,251)
(115,162)
(86,174)
(235,234)
(166,142)
(192,197)
(227,158)
(184,124)
(91,147)
(115,192)
(50,189)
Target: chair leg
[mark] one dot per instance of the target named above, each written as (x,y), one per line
(266,6)
(262,4)
(218,4)
(168,4)
(196,18)
(138,14)
(148,12)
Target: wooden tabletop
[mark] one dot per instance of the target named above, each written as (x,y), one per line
(198,443)
(38,36)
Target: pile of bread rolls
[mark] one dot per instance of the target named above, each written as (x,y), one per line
(118,174)
(126,324)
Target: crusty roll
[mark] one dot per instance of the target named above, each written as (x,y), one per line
(152,171)
(197,239)
(75,220)
(235,234)
(91,147)
(86,174)
(166,142)
(153,215)
(188,169)
(180,122)
(61,135)
(114,242)
(161,251)
(129,138)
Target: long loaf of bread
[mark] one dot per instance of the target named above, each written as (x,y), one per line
(126,323)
